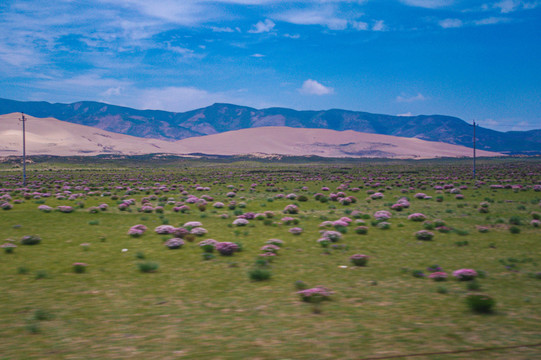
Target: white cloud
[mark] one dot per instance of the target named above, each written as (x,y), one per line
(312,87)
(257,55)
(262,26)
(379,26)
(429,4)
(114,91)
(359,25)
(507,6)
(450,23)
(222,29)
(405,114)
(292,36)
(408,99)
(322,16)
(492,21)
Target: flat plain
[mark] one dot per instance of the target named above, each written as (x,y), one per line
(197,306)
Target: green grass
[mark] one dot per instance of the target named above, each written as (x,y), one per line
(210,309)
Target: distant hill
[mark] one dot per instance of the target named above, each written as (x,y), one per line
(220,118)
(50,136)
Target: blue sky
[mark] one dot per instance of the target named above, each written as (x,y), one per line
(477,60)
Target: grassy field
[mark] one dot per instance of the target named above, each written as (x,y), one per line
(210,309)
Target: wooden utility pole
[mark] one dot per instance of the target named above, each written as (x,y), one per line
(23,120)
(474,143)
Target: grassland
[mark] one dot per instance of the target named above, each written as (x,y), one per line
(210,309)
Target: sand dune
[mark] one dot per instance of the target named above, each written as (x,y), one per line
(54,137)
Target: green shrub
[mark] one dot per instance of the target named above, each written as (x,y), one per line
(148,266)
(42,315)
(480,303)
(259,274)
(514,230)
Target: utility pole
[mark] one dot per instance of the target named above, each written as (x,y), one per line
(23,120)
(474,141)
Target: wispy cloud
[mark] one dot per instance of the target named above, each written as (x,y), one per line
(322,16)
(491,21)
(222,29)
(312,87)
(262,27)
(408,99)
(429,4)
(379,26)
(451,23)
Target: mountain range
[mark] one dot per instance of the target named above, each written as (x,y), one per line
(219,118)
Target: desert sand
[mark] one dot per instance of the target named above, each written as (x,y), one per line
(50,136)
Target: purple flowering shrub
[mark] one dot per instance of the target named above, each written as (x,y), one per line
(465,274)
(359,259)
(226,248)
(315,294)
(137,230)
(424,235)
(174,243)
(438,276)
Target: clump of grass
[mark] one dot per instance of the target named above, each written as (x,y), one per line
(208,256)
(33,327)
(42,315)
(301,285)
(473,285)
(41,274)
(442,290)
(259,274)
(148,266)
(480,303)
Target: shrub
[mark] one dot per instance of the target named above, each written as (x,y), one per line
(417,217)
(208,245)
(361,230)
(208,256)
(42,315)
(424,235)
(8,247)
(514,230)
(226,248)
(315,294)
(465,274)
(259,274)
(359,259)
(79,267)
(148,266)
(174,243)
(438,276)
(480,303)
(30,240)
